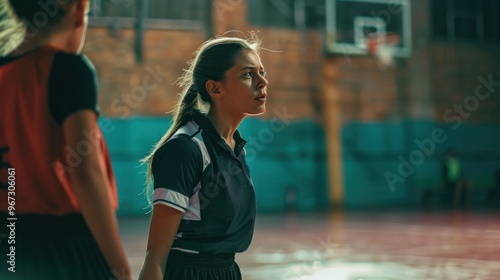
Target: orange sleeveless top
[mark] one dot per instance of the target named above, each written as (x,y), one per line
(32,142)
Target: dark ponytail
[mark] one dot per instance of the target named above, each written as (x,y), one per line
(189,103)
(29,9)
(183,113)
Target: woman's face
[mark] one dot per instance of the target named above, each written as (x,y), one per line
(244,88)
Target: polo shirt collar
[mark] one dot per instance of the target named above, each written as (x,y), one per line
(209,128)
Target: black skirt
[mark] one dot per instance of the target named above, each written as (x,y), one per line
(49,247)
(202,266)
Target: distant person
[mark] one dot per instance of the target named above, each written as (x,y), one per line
(55,172)
(203,199)
(456,184)
(497,177)
(497,181)
(495,192)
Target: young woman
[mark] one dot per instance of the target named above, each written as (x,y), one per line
(203,199)
(56,175)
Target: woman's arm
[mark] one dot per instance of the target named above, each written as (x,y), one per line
(165,222)
(92,189)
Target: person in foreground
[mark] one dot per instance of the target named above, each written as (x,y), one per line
(203,199)
(57,184)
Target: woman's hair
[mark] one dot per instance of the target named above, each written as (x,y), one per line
(17,15)
(211,61)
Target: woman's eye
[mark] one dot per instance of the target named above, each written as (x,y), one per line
(250,74)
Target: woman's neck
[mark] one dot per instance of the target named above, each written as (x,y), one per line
(225,124)
(59,41)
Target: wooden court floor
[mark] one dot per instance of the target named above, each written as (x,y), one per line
(361,245)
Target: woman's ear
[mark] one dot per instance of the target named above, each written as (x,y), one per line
(213,89)
(82,7)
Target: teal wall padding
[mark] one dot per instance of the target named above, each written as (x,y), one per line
(372,149)
(128,141)
(283,157)
(288,160)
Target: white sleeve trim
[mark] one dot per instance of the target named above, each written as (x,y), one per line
(170,198)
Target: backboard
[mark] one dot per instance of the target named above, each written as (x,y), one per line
(349,24)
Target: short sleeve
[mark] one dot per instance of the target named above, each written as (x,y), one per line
(72,86)
(177,168)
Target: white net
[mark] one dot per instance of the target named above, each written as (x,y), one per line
(383,46)
(385,55)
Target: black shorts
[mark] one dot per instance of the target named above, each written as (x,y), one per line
(202,266)
(50,247)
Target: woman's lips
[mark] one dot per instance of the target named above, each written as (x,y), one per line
(261,98)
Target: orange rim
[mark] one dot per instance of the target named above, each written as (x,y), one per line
(375,39)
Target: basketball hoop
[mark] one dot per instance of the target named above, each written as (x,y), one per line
(383,45)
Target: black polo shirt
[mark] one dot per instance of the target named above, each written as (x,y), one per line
(197,173)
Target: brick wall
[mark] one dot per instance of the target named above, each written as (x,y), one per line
(128,88)
(457,71)
(421,87)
